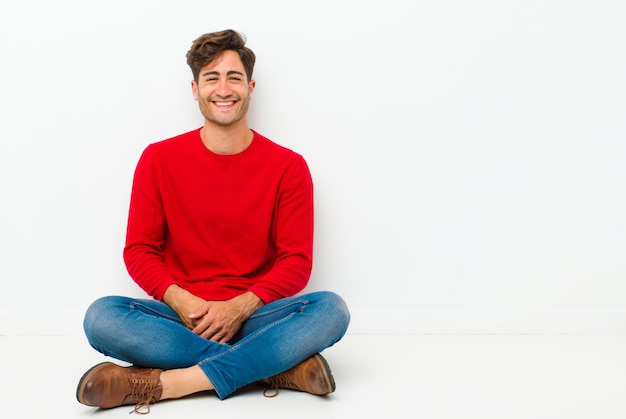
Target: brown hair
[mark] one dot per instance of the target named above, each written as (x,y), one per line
(211,45)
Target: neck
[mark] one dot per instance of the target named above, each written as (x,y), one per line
(226,139)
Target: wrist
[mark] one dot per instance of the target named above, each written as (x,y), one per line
(174,296)
(250,302)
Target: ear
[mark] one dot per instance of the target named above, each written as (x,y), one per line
(251,86)
(194,89)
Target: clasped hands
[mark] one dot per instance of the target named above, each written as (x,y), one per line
(218,321)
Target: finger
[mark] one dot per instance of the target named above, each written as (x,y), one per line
(215,333)
(211,335)
(221,338)
(198,314)
(206,329)
(225,339)
(223,335)
(201,325)
(201,328)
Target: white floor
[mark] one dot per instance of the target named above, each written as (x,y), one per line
(417,376)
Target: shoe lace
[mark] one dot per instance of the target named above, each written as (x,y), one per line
(278,381)
(266,392)
(143,393)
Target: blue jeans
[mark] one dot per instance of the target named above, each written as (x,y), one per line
(276,337)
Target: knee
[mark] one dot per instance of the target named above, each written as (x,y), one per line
(336,309)
(99,318)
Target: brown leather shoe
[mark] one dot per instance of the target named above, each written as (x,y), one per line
(311,376)
(108,385)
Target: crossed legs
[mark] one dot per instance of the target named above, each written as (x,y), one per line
(276,338)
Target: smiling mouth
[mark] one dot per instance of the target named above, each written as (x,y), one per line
(224,104)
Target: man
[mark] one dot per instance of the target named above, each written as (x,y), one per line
(220,234)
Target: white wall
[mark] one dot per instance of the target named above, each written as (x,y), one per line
(468,155)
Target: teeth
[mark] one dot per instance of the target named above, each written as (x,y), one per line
(224,103)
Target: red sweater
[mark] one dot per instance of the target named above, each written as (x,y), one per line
(220,225)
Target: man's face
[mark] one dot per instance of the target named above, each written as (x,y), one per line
(223,90)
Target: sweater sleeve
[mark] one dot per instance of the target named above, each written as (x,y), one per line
(293,236)
(145,234)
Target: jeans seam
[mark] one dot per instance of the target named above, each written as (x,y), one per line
(302,302)
(151,312)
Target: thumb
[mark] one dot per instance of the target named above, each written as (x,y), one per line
(198,313)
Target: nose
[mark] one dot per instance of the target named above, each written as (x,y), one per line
(223,88)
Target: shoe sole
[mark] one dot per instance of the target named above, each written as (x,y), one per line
(328,374)
(80,388)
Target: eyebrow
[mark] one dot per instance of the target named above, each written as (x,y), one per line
(217,73)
